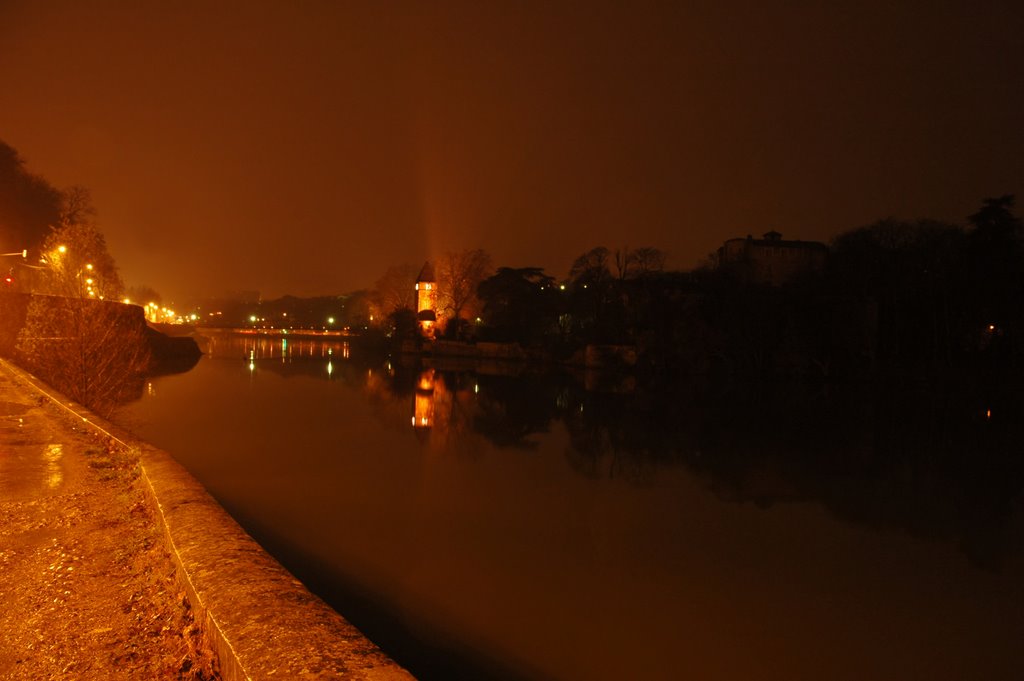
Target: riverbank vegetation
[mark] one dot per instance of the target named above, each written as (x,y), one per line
(912,298)
(921,299)
(62,303)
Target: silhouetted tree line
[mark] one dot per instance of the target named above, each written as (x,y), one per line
(29,204)
(945,296)
(913,297)
(60,307)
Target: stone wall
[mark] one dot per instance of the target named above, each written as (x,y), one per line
(163,349)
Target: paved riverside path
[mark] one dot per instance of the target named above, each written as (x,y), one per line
(115,563)
(87,587)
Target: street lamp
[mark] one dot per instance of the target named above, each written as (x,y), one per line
(9,279)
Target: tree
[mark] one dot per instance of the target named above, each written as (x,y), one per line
(458,276)
(995,222)
(94,351)
(595,309)
(356,310)
(78,264)
(29,205)
(142,295)
(80,338)
(912,271)
(402,324)
(648,260)
(519,304)
(995,283)
(591,267)
(396,289)
(639,262)
(76,206)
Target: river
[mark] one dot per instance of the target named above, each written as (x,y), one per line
(499,522)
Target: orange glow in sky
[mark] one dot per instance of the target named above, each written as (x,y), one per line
(304,148)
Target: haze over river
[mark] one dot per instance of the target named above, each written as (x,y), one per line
(494,522)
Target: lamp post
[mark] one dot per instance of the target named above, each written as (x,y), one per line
(8,281)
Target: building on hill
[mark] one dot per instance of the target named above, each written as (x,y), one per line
(771,260)
(426,300)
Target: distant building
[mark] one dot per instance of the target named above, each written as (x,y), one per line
(771,260)
(426,300)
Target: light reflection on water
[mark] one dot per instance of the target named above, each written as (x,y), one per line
(483,524)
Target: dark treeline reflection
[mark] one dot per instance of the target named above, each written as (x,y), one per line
(937,465)
(940,465)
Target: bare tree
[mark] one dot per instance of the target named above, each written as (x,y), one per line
(396,289)
(591,266)
(78,264)
(648,260)
(636,263)
(143,294)
(624,259)
(458,276)
(76,206)
(94,351)
(78,338)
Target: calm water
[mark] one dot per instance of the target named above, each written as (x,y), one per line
(479,524)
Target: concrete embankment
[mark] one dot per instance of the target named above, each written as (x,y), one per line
(262,622)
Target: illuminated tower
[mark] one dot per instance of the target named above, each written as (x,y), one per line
(426,300)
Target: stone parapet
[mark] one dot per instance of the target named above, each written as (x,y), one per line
(262,621)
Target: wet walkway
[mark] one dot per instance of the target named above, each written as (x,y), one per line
(117,564)
(88,588)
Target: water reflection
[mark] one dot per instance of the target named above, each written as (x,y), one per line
(483,521)
(937,466)
(423,402)
(54,472)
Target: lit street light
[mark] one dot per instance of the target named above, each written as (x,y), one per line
(9,279)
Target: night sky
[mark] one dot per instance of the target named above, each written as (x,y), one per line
(303,147)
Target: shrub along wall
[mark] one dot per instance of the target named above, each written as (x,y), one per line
(96,352)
